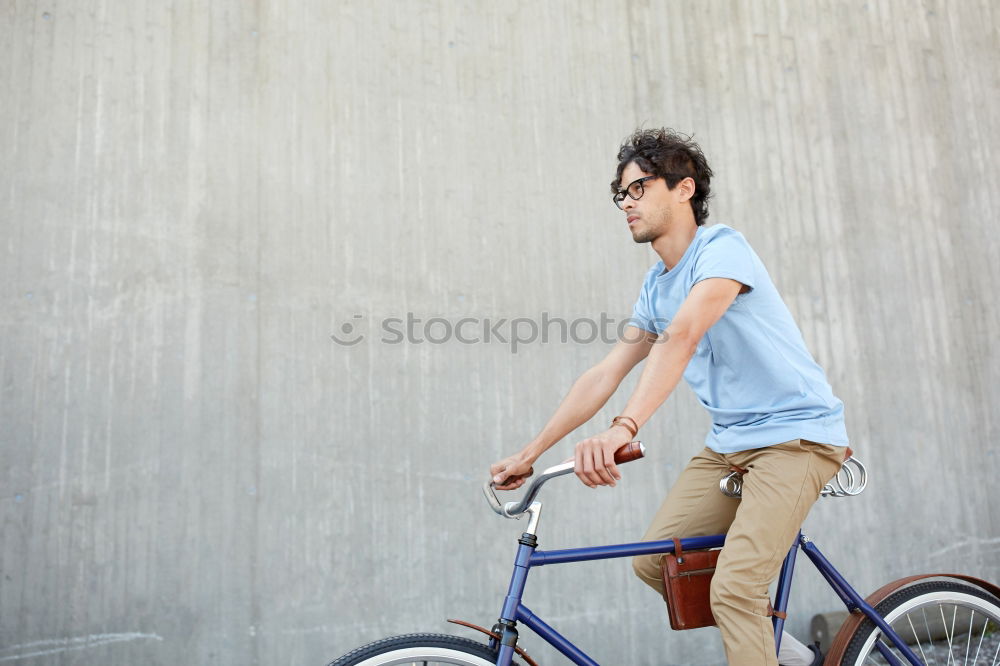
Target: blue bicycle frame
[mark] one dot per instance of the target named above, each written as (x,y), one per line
(528,556)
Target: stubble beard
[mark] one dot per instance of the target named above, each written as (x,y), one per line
(651,232)
(643,236)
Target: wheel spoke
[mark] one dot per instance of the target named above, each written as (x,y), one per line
(968,643)
(944,624)
(952,638)
(930,639)
(916,638)
(979,647)
(947,634)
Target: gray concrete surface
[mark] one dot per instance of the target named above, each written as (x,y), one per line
(195,196)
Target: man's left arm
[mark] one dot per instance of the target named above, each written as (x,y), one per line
(705,304)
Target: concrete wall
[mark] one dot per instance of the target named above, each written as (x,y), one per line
(195,196)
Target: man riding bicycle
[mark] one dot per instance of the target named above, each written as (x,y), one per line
(709,312)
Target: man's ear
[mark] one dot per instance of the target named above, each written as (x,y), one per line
(686,189)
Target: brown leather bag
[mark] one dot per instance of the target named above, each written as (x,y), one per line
(687,576)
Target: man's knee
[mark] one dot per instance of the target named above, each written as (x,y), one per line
(728,594)
(721,592)
(647,568)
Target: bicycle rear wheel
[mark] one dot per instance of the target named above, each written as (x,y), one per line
(942,622)
(420,649)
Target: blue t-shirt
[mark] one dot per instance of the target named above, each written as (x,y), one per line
(751,371)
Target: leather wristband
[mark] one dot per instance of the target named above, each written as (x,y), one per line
(626,422)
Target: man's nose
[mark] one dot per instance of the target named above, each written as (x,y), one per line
(628,204)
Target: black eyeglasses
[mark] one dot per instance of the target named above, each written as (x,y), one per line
(634,190)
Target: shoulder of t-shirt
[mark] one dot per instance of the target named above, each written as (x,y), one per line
(724,252)
(653,271)
(720,231)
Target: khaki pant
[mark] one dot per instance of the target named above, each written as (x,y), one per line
(780,486)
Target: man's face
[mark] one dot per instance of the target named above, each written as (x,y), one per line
(652,214)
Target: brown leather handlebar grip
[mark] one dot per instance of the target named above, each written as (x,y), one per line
(628,453)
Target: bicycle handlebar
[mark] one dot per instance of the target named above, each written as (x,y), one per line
(627,453)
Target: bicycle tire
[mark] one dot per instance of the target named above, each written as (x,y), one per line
(420,649)
(967,616)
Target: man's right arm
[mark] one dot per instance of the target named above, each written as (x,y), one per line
(589,393)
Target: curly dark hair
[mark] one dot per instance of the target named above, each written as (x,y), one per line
(672,156)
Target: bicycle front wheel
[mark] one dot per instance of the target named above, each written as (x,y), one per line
(942,622)
(429,649)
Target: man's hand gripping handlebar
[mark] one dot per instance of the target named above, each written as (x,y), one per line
(627,453)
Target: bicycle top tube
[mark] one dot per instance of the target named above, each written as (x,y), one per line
(627,453)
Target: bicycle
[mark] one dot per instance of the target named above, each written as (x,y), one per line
(891,626)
